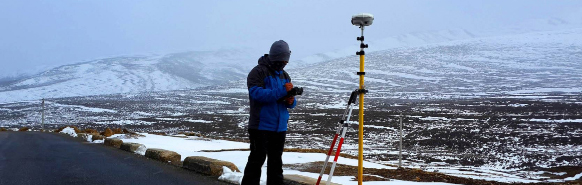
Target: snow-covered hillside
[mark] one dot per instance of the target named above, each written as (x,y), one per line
(131,75)
(398,41)
(541,61)
(447,61)
(568,21)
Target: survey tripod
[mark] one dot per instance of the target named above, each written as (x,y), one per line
(361,20)
(341,129)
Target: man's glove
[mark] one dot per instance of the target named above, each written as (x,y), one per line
(295,91)
(288,86)
(290,100)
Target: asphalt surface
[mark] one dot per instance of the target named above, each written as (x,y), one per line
(48,158)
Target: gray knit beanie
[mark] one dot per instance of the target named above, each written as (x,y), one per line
(279,51)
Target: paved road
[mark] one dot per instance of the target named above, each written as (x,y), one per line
(47,158)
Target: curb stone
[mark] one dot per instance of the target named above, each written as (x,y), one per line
(97,137)
(82,136)
(113,142)
(207,165)
(164,156)
(131,147)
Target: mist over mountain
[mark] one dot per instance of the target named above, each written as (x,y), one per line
(398,63)
(187,70)
(545,61)
(570,20)
(130,75)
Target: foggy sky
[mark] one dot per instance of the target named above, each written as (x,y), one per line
(37,34)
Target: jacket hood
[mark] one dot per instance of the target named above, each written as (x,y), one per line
(264,60)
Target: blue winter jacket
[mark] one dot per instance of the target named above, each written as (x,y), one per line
(266,88)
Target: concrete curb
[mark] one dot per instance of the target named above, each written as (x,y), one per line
(113,142)
(82,136)
(199,164)
(164,156)
(97,137)
(302,180)
(131,147)
(207,165)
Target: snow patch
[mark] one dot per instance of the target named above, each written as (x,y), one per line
(232,177)
(89,138)
(198,121)
(574,178)
(69,131)
(141,150)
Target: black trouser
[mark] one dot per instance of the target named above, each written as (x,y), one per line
(263,144)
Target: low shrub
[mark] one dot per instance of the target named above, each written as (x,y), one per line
(3,129)
(117,131)
(113,142)
(90,131)
(158,133)
(193,134)
(108,132)
(76,129)
(23,129)
(97,137)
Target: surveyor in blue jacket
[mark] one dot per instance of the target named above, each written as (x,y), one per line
(271,93)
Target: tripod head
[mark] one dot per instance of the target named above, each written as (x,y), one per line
(362,19)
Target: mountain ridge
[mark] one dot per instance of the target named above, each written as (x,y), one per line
(530,62)
(187,70)
(129,75)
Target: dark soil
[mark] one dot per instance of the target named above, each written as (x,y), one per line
(402,174)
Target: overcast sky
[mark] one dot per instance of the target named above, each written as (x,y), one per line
(36,34)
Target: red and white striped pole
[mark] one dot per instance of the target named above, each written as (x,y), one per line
(337,154)
(337,132)
(342,126)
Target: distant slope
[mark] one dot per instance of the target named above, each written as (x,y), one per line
(542,61)
(398,41)
(570,20)
(132,75)
(448,61)
(10,80)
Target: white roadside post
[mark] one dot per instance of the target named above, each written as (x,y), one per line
(400,151)
(42,121)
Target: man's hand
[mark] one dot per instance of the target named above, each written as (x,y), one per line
(290,100)
(288,86)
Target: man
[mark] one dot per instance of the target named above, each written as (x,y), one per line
(271,94)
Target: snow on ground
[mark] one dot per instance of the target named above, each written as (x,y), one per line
(556,121)
(542,90)
(83,108)
(348,180)
(185,146)
(69,131)
(197,146)
(574,178)
(493,175)
(233,90)
(125,122)
(198,121)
